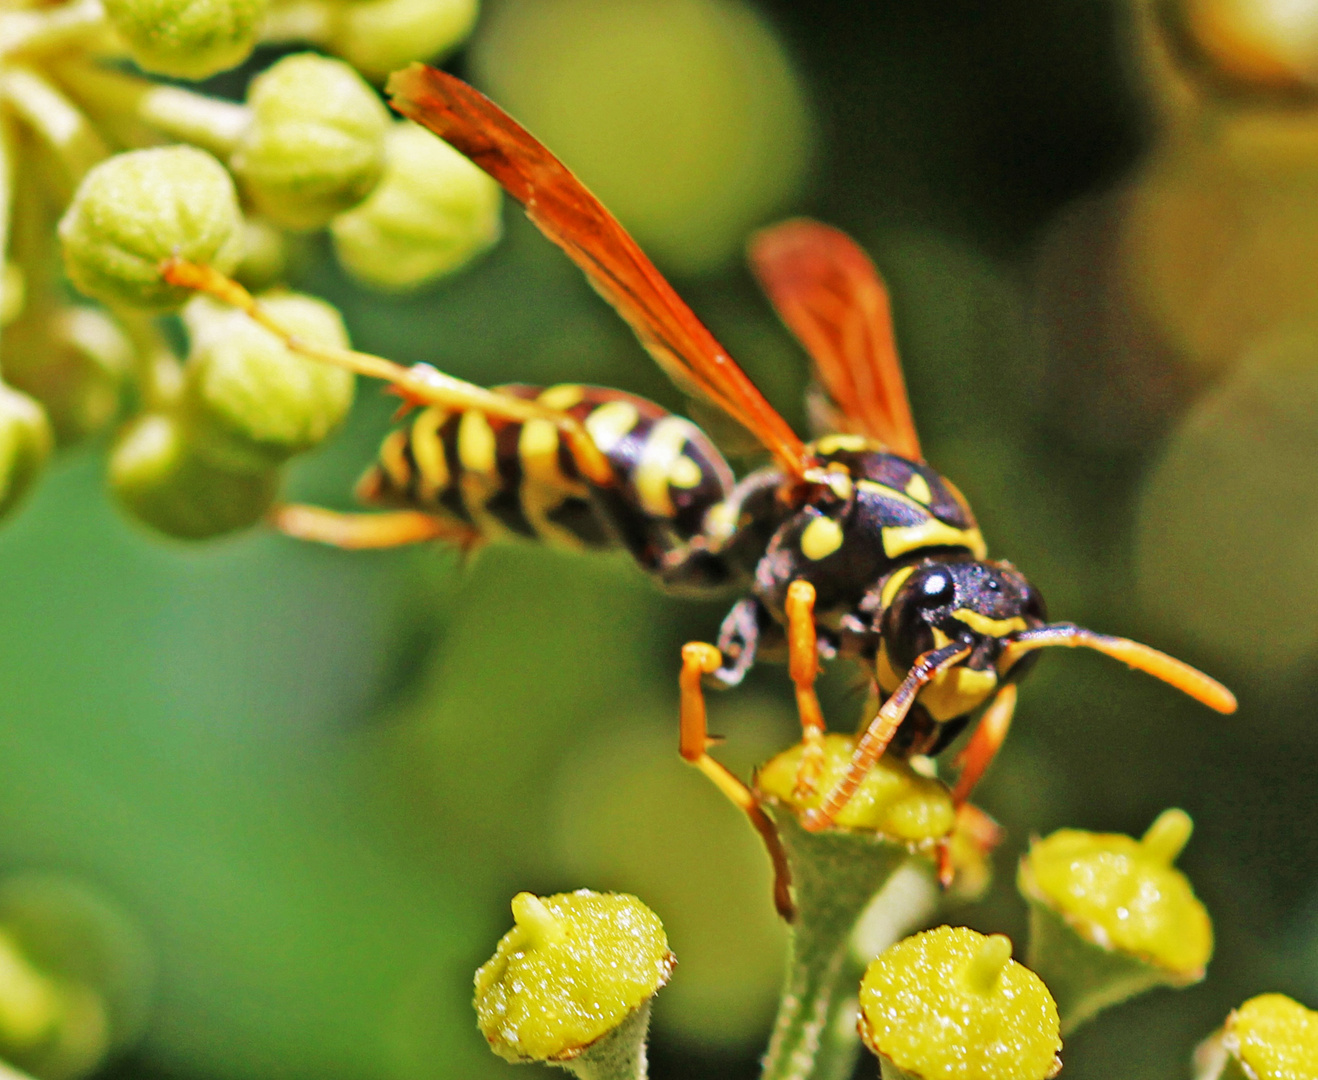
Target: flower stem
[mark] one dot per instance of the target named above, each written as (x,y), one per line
(835,874)
(620,1055)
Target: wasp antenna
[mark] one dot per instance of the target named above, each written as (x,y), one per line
(1177,673)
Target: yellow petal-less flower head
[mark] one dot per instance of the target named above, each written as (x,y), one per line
(1124,894)
(893,799)
(951,1004)
(572,969)
(1275,1038)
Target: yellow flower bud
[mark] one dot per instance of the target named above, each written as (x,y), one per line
(380,36)
(187,39)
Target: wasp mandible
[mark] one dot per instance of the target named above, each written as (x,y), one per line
(849,545)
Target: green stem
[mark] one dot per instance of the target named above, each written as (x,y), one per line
(834,875)
(41,30)
(56,120)
(619,1055)
(176,113)
(307,21)
(157,370)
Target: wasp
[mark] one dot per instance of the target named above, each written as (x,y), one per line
(849,545)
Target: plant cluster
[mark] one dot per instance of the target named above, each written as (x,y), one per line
(135,170)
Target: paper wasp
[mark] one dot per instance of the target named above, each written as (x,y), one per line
(849,545)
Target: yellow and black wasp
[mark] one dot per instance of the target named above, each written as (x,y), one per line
(849,545)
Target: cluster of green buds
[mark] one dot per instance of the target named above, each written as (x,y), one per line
(135,171)
(75,978)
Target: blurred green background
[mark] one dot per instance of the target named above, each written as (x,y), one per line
(316,778)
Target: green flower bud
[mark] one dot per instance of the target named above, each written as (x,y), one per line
(951,1003)
(75,975)
(432,212)
(574,968)
(74,361)
(1270,1037)
(380,36)
(265,256)
(250,403)
(25,442)
(187,39)
(315,146)
(159,478)
(1110,917)
(893,799)
(135,209)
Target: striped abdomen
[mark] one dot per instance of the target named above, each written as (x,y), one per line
(507,477)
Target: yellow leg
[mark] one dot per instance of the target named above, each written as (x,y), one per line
(699,660)
(871,745)
(360,531)
(419,385)
(984,744)
(803,667)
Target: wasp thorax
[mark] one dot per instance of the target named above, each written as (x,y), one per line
(939,601)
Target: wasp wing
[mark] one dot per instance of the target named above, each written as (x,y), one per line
(831,297)
(566,212)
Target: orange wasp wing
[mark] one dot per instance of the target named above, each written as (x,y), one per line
(831,297)
(569,215)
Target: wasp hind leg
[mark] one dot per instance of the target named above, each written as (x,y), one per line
(803,667)
(356,532)
(699,660)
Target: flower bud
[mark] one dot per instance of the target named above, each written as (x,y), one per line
(380,36)
(75,977)
(137,208)
(265,256)
(1270,1037)
(951,1003)
(25,442)
(315,146)
(1110,917)
(73,360)
(250,403)
(432,212)
(187,39)
(574,968)
(893,799)
(159,478)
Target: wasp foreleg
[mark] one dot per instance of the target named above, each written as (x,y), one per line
(803,667)
(984,743)
(698,660)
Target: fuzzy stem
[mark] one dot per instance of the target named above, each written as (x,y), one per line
(156,369)
(619,1055)
(180,114)
(41,30)
(58,122)
(835,874)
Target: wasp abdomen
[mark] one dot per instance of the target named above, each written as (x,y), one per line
(507,477)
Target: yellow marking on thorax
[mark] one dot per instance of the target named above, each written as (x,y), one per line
(721,521)
(821,538)
(608,424)
(392,460)
(955,691)
(842,442)
(428,453)
(918,489)
(659,456)
(685,473)
(544,487)
(900,539)
(563,396)
(989,627)
(890,587)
